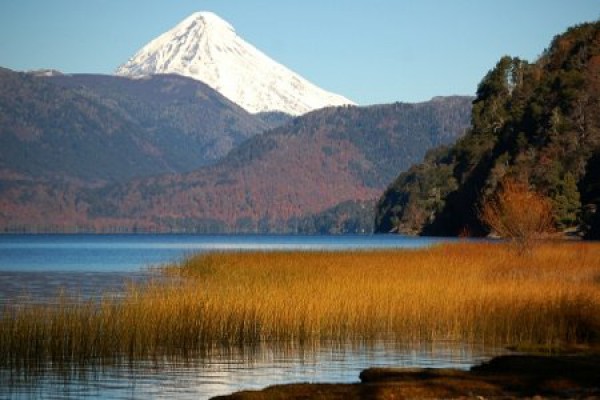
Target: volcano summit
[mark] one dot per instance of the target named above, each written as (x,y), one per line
(207,48)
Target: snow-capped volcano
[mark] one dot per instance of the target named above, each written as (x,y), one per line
(207,48)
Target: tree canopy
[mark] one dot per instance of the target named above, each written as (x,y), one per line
(534,122)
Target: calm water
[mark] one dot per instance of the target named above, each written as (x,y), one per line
(35,267)
(226,373)
(127,253)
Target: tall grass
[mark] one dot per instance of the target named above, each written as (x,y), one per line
(466,292)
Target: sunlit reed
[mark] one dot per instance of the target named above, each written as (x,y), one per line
(466,292)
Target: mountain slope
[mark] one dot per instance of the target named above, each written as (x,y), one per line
(538,123)
(313,163)
(270,183)
(207,48)
(105,128)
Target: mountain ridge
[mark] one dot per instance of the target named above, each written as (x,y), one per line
(103,128)
(272,182)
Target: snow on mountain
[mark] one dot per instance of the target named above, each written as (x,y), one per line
(207,48)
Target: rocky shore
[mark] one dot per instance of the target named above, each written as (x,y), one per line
(505,377)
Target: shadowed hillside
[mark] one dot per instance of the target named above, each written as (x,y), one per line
(104,128)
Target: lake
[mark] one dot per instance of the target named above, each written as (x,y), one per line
(35,268)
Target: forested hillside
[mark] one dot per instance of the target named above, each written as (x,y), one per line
(92,128)
(534,122)
(305,167)
(350,216)
(281,181)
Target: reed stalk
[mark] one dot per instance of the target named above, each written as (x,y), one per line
(471,292)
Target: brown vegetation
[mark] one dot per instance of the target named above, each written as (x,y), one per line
(267,183)
(465,292)
(517,213)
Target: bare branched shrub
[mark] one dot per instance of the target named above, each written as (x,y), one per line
(517,213)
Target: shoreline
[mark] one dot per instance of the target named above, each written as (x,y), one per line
(472,292)
(570,375)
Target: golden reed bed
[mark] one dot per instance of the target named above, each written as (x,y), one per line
(468,292)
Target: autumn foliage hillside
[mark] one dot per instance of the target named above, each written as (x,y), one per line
(269,183)
(305,167)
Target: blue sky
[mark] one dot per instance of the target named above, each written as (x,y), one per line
(371,51)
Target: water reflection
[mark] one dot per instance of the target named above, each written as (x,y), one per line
(41,287)
(35,269)
(38,267)
(239,369)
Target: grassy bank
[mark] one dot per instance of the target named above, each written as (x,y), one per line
(468,292)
